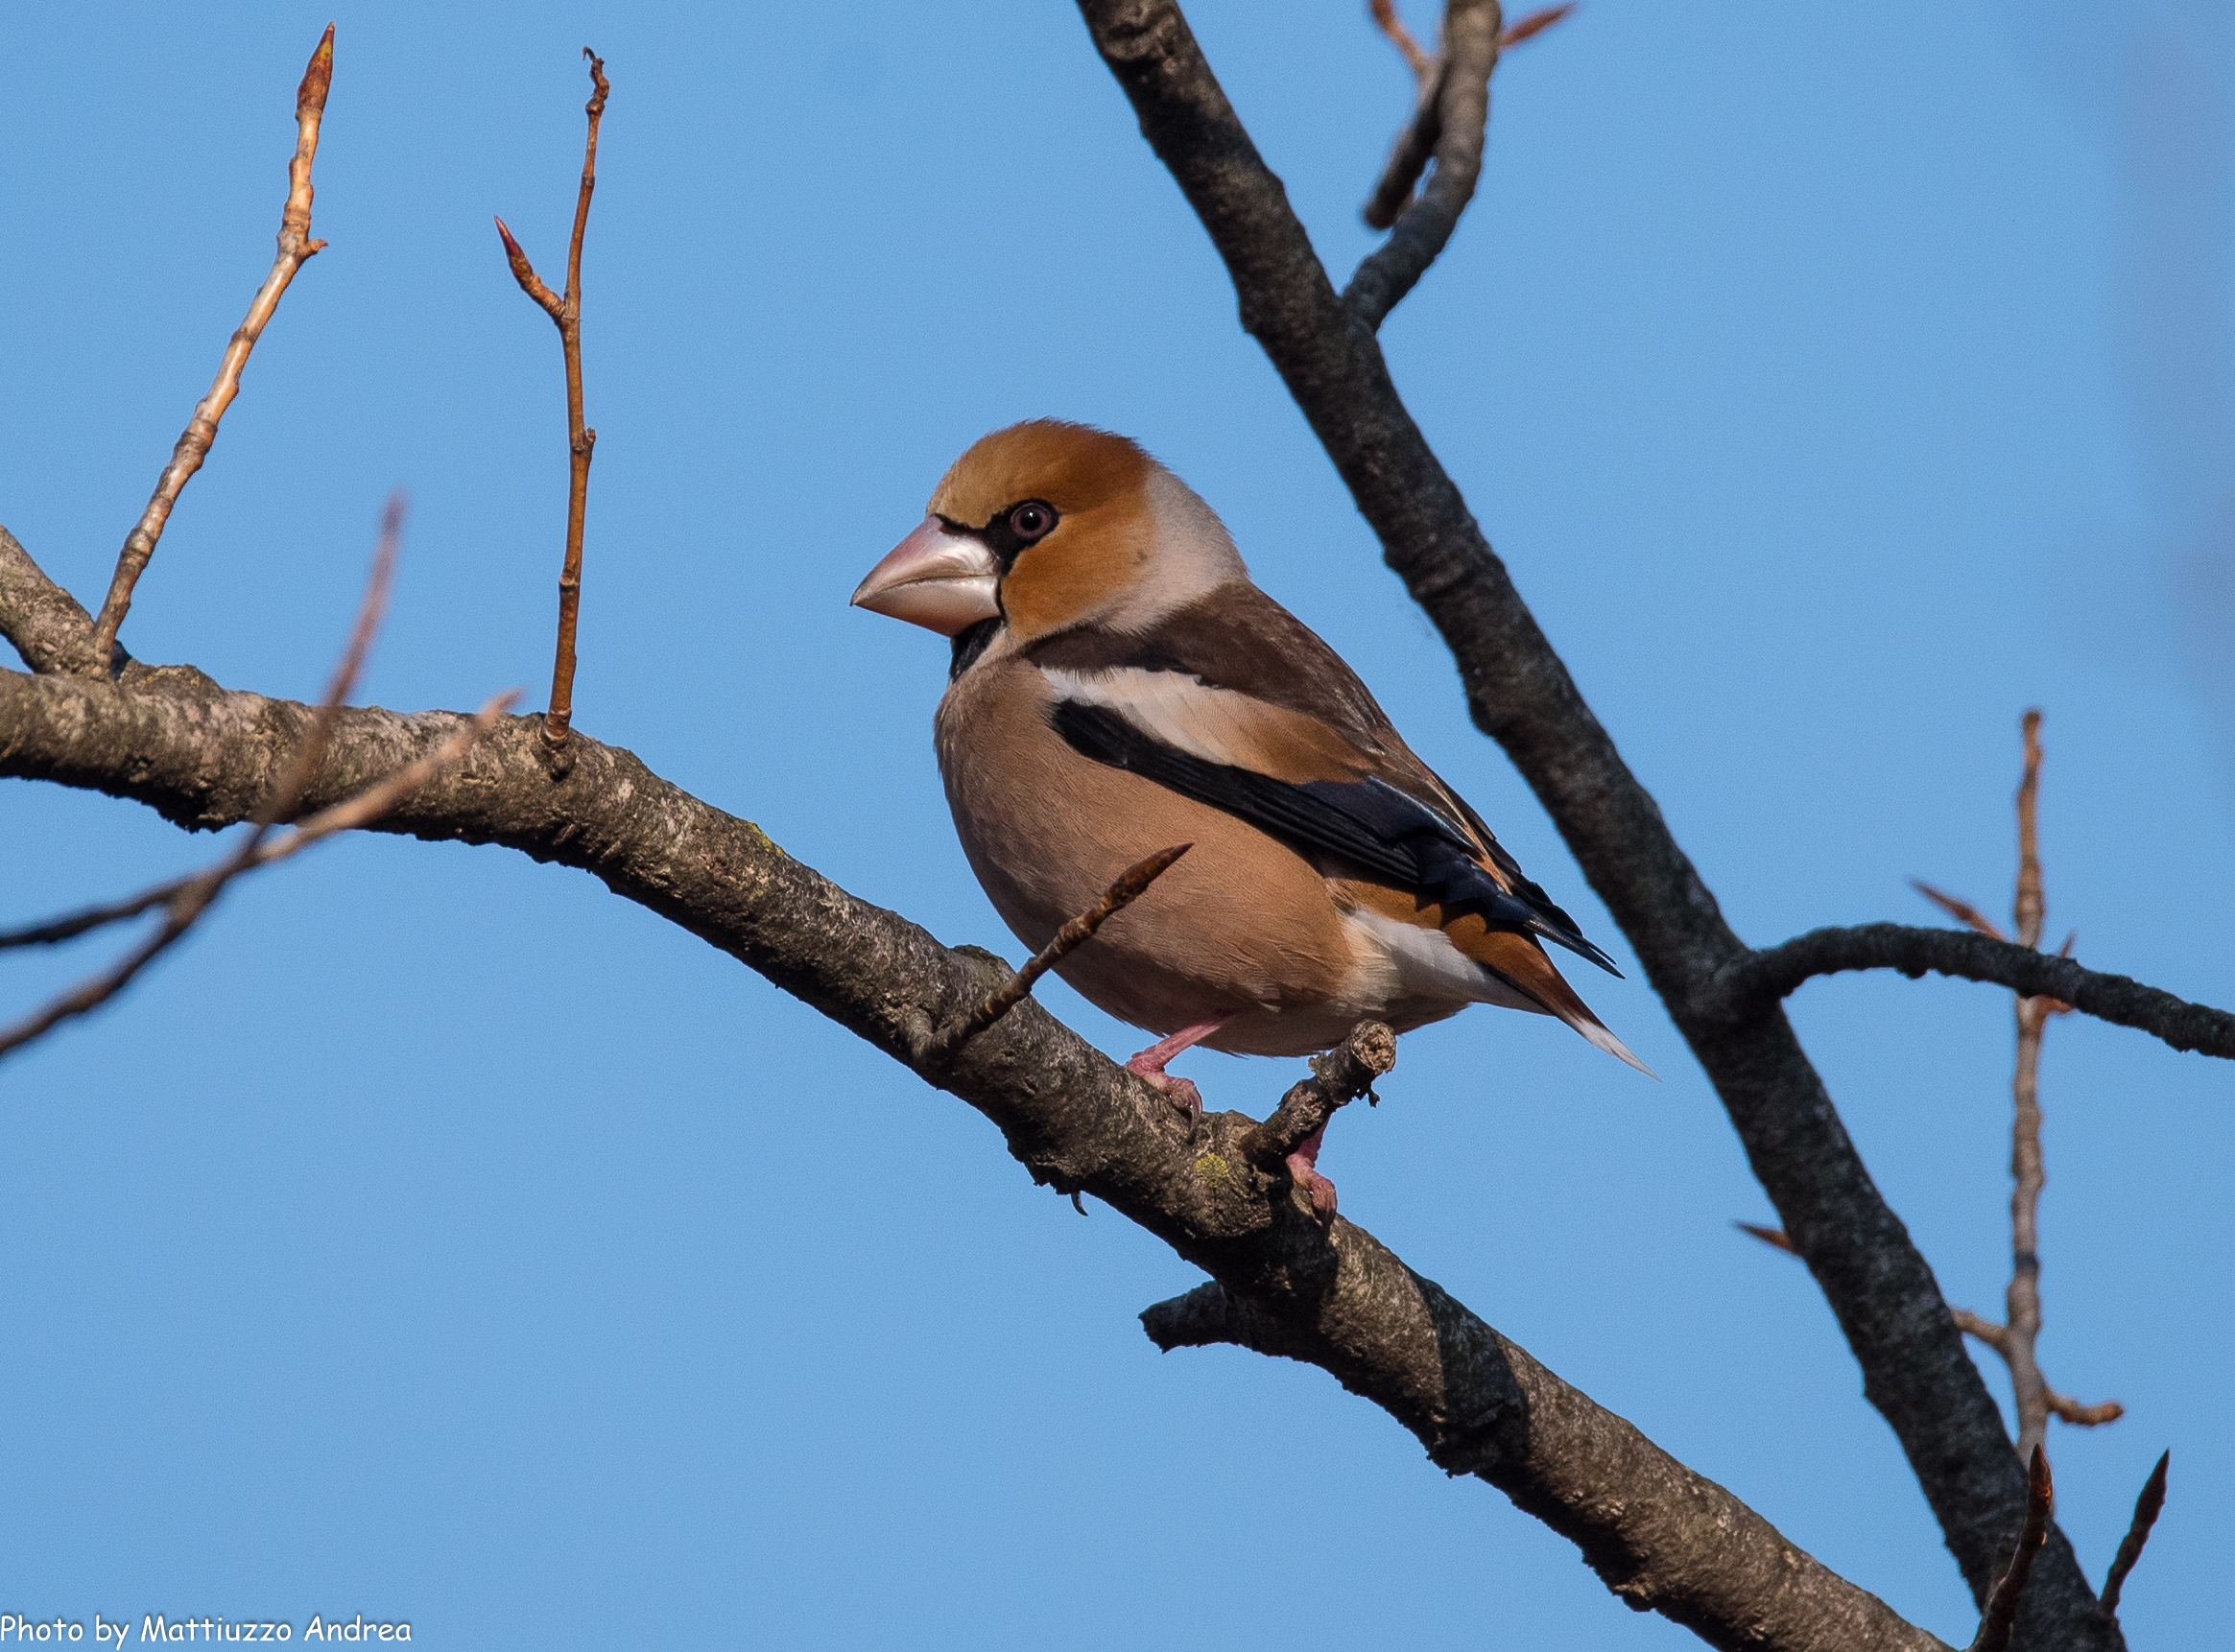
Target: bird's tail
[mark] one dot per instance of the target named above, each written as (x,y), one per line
(1521,962)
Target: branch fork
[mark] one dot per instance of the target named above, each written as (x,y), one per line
(565,312)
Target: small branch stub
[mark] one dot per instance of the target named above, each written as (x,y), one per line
(295,248)
(565,312)
(1339,1078)
(2146,1508)
(2002,1606)
(1130,887)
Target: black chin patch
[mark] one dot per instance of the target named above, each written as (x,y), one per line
(971,642)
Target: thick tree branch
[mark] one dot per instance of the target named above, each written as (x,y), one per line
(1914,1366)
(1756,980)
(1662,1536)
(43,621)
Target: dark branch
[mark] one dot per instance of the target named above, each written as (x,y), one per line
(1339,1078)
(2002,1606)
(1761,978)
(2146,1508)
(1888,1305)
(189,898)
(1449,127)
(43,621)
(1664,1537)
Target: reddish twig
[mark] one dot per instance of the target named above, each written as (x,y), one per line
(1131,885)
(1386,19)
(1775,1238)
(565,312)
(362,809)
(295,248)
(2016,1339)
(1963,911)
(2146,1507)
(2002,1606)
(1534,24)
(186,899)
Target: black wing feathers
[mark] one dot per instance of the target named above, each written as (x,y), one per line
(1370,822)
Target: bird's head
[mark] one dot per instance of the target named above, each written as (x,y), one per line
(1045,525)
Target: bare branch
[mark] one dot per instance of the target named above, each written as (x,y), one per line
(44,622)
(2002,1607)
(1448,127)
(1534,24)
(1995,1336)
(2146,1507)
(1757,979)
(295,248)
(362,809)
(1665,1538)
(1915,1367)
(191,897)
(565,312)
(1963,911)
(1774,1237)
(1132,883)
(1339,1078)
(1386,20)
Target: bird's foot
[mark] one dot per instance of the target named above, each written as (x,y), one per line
(1304,1170)
(1181,1092)
(1149,1065)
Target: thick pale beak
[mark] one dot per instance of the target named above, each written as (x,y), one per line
(939,580)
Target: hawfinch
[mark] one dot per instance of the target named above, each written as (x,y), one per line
(1119,686)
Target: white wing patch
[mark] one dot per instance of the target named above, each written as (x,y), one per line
(1215,724)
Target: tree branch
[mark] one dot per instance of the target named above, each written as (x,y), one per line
(1663,1537)
(1759,979)
(566,313)
(295,248)
(1915,1367)
(1455,109)
(2146,1508)
(43,621)
(2000,1619)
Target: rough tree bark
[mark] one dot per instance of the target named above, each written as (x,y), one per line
(1663,1537)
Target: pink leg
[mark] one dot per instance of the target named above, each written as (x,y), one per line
(1150,1063)
(1303,1168)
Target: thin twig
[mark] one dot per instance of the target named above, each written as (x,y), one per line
(295,247)
(1130,887)
(1386,19)
(1534,24)
(352,812)
(1963,911)
(2018,1339)
(1777,1238)
(2146,1507)
(193,896)
(2002,1606)
(566,312)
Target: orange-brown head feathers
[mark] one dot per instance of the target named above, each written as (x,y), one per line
(1130,538)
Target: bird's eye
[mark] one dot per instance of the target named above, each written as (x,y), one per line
(1031,520)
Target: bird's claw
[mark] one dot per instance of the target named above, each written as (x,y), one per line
(1181,1092)
(1304,1172)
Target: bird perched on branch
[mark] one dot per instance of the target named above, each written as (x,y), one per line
(1119,686)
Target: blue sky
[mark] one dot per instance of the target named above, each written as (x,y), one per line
(438,1237)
